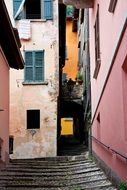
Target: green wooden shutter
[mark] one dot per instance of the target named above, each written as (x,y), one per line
(48,9)
(39,66)
(16,5)
(29,67)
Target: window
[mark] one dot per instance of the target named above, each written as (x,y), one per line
(33,119)
(33,13)
(34,66)
(112,6)
(98,126)
(32,9)
(97,45)
(11,142)
(82,16)
(1,143)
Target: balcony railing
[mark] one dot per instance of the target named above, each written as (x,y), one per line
(79,3)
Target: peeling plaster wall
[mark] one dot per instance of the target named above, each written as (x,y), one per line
(37,142)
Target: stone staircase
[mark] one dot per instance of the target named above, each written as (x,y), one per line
(57,173)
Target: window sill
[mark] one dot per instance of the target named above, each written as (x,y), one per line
(97,68)
(35,83)
(37,20)
(33,20)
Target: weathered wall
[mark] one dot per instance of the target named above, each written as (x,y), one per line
(37,142)
(4,107)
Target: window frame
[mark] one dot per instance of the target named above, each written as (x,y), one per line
(97,45)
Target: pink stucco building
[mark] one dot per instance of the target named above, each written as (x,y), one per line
(108,65)
(108,58)
(10,56)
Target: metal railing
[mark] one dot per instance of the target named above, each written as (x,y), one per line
(109,148)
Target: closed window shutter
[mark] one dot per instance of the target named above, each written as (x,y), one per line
(16,5)
(29,69)
(39,66)
(48,9)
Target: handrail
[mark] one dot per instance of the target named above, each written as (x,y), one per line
(109,148)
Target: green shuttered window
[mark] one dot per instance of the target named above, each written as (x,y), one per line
(34,66)
(33,9)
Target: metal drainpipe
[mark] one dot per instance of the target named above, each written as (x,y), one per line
(90,129)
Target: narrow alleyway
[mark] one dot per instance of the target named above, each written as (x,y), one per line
(70,146)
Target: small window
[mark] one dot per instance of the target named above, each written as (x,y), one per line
(11,142)
(112,6)
(82,16)
(97,45)
(98,118)
(1,142)
(33,9)
(33,119)
(79,44)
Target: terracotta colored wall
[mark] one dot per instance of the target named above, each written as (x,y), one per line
(4,105)
(71,42)
(112,128)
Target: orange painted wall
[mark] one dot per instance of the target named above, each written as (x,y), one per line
(72,54)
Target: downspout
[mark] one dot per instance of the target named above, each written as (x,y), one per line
(90,129)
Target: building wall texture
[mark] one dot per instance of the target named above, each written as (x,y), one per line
(71,63)
(109,122)
(31,143)
(4,107)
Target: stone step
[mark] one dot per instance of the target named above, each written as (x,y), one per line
(81,182)
(51,165)
(56,159)
(51,162)
(69,177)
(57,173)
(63,167)
(50,169)
(102,187)
(41,174)
(50,172)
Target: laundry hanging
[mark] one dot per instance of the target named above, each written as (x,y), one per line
(24,29)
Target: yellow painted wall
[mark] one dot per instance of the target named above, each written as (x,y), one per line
(71,42)
(67,126)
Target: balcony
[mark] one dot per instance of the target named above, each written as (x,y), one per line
(80,4)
